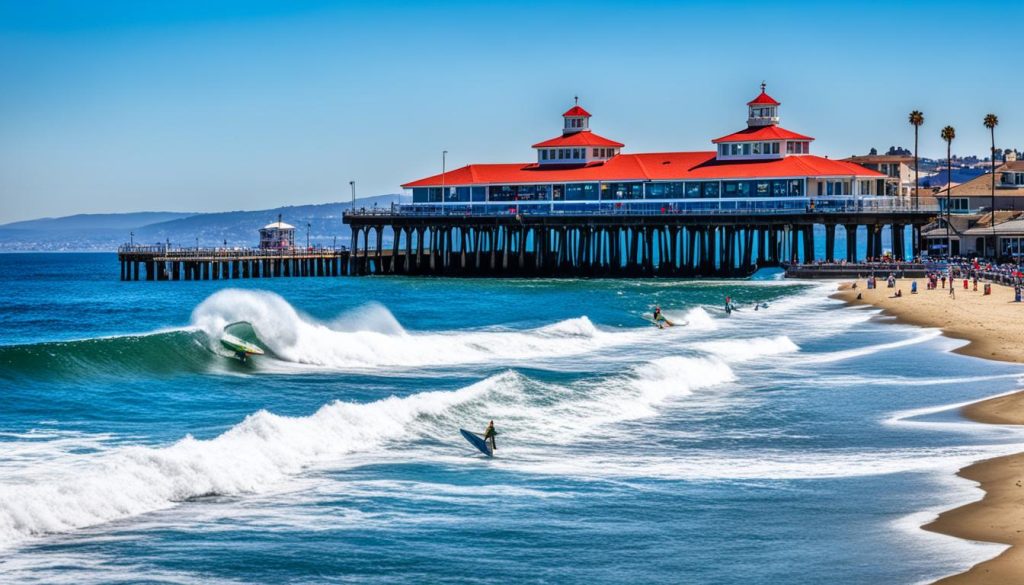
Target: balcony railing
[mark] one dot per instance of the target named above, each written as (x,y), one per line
(766,206)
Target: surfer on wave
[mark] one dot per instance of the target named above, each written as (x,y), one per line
(489,435)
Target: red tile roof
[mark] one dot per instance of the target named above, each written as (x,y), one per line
(756,133)
(648,167)
(764,100)
(581,138)
(576,111)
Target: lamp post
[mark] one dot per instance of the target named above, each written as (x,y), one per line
(353,185)
(131,236)
(444,160)
(307,236)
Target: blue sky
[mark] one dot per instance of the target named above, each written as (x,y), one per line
(211,106)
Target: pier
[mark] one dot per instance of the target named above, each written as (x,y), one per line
(166,263)
(616,241)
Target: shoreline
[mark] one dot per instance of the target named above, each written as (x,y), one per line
(985,323)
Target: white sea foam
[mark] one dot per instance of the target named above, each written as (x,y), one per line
(266,449)
(741,350)
(371,337)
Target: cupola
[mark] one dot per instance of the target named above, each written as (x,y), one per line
(763,110)
(577,145)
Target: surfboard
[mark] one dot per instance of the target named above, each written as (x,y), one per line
(478,442)
(659,324)
(239,346)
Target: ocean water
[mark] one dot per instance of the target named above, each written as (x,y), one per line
(804,443)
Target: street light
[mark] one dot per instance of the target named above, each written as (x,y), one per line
(131,235)
(307,235)
(444,160)
(353,185)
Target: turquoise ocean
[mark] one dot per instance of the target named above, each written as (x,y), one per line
(805,442)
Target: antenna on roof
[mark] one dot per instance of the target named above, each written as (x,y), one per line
(576,100)
(763,85)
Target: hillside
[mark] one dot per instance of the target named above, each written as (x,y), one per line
(105,232)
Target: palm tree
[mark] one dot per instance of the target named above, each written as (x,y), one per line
(991,121)
(916,119)
(948,134)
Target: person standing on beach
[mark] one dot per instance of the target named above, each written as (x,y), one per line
(952,290)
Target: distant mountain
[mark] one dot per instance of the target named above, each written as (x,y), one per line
(105,232)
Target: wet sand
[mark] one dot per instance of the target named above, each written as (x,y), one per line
(992,325)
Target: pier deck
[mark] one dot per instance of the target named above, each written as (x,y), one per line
(166,263)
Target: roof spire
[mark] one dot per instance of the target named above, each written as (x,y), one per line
(576,100)
(763,85)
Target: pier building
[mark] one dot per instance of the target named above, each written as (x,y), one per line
(583,206)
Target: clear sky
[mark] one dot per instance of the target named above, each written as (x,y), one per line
(210,106)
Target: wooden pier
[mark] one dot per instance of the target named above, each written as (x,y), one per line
(166,263)
(564,244)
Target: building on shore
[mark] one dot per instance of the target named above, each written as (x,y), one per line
(975,235)
(975,196)
(761,167)
(277,236)
(898,170)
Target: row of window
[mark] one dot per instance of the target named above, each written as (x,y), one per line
(574,122)
(1013,178)
(748,148)
(801,147)
(574,153)
(769,112)
(623,191)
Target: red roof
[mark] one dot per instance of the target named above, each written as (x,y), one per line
(648,167)
(576,111)
(582,138)
(764,100)
(755,133)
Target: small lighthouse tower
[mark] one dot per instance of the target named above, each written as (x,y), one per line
(576,119)
(763,110)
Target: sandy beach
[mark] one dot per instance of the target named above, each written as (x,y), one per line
(991,325)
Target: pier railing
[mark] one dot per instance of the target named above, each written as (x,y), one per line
(164,252)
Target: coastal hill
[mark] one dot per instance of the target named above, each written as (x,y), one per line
(105,232)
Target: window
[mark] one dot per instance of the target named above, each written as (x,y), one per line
(597,152)
(543,155)
(665,190)
(796,188)
(581,192)
(762,188)
(775,148)
(711,189)
(757,147)
(746,148)
(865,187)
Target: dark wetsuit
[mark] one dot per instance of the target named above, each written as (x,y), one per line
(489,435)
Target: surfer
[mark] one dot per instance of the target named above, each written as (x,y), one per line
(657,314)
(489,435)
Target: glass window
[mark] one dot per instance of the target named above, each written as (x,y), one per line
(796,188)
(711,189)
(762,188)
(775,148)
(419,195)
(692,190)
(665,190)
(735,189)
(778,188)
(543,155)
(746,148)
(479,194)
(757,147)
(557,192)
(581,192)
